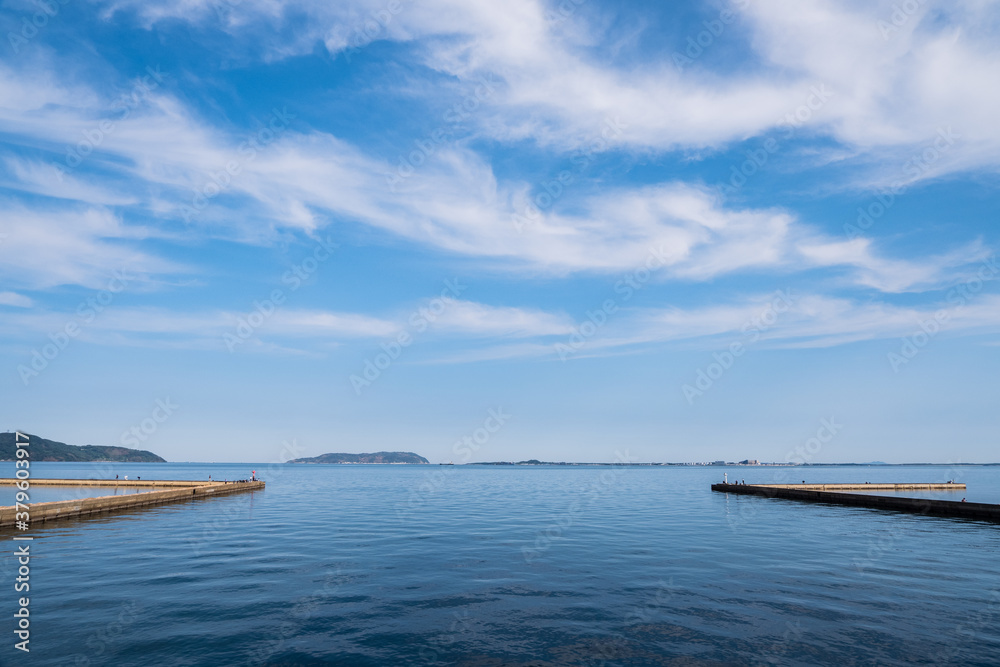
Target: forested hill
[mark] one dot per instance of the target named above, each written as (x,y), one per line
(50,450)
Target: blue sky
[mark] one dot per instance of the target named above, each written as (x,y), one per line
(686,231)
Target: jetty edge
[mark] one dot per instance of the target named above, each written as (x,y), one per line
(162,491)
(836,494)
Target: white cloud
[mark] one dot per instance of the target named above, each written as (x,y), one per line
(34,84)
(313,328)
(893,88)
(321,323)
(15,299)
(162,155)
(47,247)
(454,203)
(764,321)
(46,179)
(893,275)
(477,319)
(781,320)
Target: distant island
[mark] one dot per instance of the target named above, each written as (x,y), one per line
(50,450)
(377,457)
(536,462)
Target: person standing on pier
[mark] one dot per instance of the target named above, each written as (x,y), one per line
(725,478)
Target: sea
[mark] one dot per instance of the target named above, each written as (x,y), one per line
(492,566)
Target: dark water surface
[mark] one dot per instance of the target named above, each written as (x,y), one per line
(387,565)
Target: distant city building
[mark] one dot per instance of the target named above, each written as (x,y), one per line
(718,463)
(750,462)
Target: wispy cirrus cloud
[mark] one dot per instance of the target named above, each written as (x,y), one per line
(48,246)
(282,329)
(15,299)
(142,178)
(812,321)
(893,86)
(482,332)
(457,204)
(894,275)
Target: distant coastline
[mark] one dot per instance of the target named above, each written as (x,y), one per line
(51,450)
(720,465)
(404,458)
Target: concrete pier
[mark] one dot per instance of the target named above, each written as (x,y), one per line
(915,486)
(155,483)
(161,491)
(823,493)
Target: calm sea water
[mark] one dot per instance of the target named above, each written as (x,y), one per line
(491,566)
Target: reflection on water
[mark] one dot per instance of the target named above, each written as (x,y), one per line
(49,494)
(971,495)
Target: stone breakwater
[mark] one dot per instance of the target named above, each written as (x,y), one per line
(832,493)
(161,491)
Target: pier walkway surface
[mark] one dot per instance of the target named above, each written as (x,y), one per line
(833,493)
(161,491)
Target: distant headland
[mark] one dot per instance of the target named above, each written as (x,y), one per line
(377,457)
(50,450)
